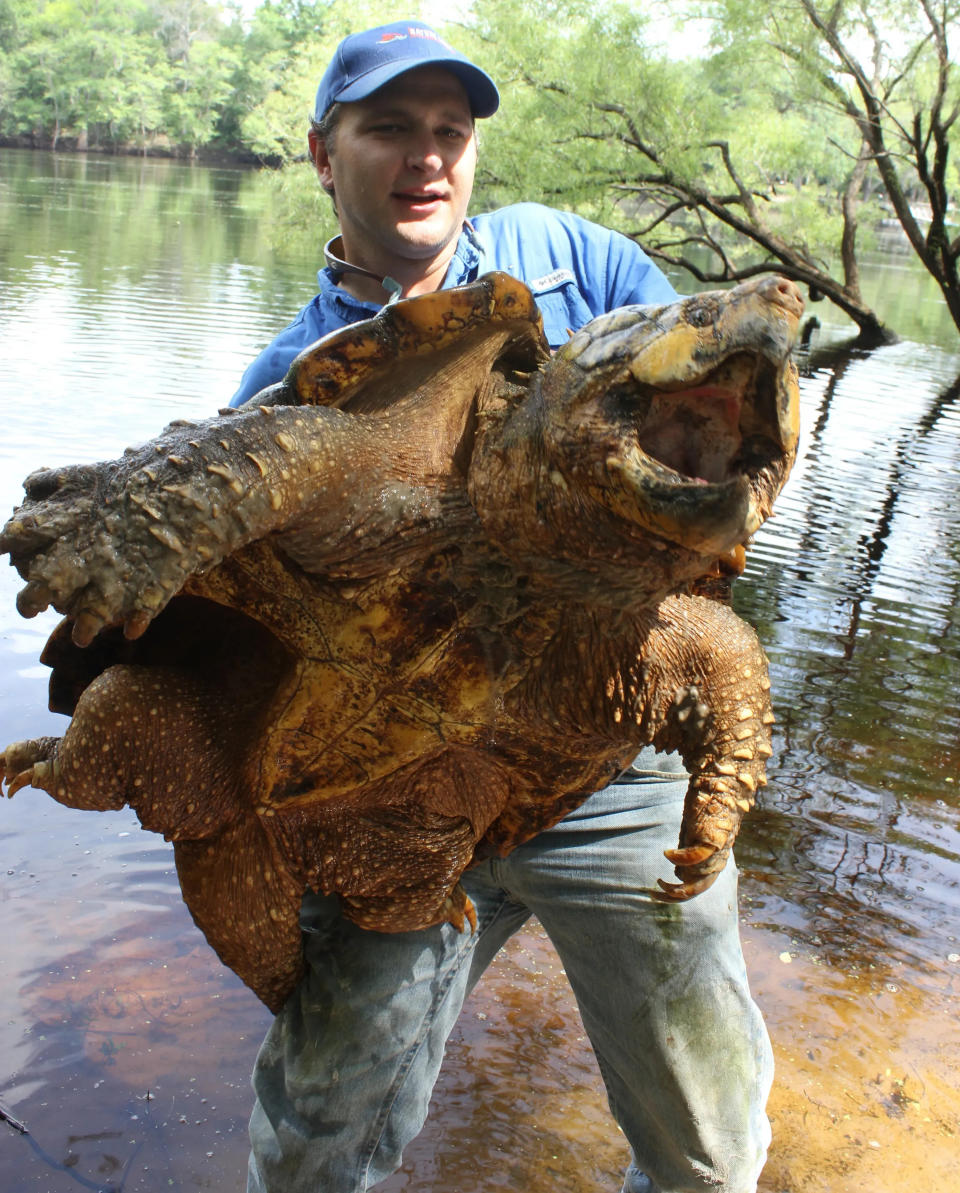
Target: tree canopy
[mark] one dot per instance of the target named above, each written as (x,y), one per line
(782,139)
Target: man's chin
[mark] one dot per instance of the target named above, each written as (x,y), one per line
(421,240)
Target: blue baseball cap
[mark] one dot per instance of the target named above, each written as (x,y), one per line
(364,62)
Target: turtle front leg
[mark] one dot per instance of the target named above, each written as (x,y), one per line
(719,721)
(111,543)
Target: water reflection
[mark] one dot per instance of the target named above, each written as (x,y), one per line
(863,800)
(135,292)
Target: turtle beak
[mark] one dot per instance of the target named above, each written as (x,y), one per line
(705,417)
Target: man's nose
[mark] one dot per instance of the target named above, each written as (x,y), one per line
(424,154)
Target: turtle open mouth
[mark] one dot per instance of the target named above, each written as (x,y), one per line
(722,427)
(701,454)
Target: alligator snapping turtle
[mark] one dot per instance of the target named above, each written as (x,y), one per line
(415,603)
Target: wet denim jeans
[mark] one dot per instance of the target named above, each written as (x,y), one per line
(344,1077)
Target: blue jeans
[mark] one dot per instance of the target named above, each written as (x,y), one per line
(344,1077)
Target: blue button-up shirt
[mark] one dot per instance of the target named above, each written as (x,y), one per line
(576,270)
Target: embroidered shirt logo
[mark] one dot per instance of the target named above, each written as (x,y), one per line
(550,281)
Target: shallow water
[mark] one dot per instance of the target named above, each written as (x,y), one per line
(133,292)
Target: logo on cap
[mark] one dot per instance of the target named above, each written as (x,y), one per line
(413,31)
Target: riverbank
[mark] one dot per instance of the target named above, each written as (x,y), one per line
(203,156)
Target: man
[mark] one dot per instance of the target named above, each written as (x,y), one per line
(344,1077)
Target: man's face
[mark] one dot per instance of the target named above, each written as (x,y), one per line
(401,165)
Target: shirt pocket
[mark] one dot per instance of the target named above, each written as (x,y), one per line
(563,307)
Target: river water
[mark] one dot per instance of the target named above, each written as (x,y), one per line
(135,291)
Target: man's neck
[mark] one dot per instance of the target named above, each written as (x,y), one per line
(413,277)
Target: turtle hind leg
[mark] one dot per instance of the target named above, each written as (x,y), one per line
(409,911)
(158,739)
(64,768)
(94,765)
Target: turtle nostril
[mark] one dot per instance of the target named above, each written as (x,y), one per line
(785,293)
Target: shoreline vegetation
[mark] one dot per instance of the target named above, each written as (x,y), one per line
(205,155)
(786,141)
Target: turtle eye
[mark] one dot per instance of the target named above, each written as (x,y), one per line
(702,315)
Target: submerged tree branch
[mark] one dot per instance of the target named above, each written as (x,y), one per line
(740,213)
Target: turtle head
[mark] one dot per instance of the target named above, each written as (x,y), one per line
(681,421)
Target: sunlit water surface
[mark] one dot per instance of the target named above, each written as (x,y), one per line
(134,292)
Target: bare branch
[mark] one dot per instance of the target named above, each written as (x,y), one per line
(746,198)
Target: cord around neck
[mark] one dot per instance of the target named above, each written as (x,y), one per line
(338,265)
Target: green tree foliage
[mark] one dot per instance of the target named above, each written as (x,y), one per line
(778,143)
(139,73)
(202,85)
(710,160)
(77,65)
(781,144)
(881,75)
(277,35)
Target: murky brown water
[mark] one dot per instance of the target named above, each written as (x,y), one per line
(132,292)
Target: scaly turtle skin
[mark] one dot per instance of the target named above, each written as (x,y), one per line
(412,605)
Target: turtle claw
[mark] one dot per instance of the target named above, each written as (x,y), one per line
(460,910)
(85,628)
(137,625)
(33,599)
(692,855)
(23,779)
(697,867)
(27,764)
(680,892)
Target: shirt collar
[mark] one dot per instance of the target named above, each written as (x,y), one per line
(463,268)
(466,258)
(347,307)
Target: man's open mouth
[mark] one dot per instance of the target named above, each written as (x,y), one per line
(419,198)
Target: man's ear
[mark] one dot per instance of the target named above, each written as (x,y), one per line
(321,159)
